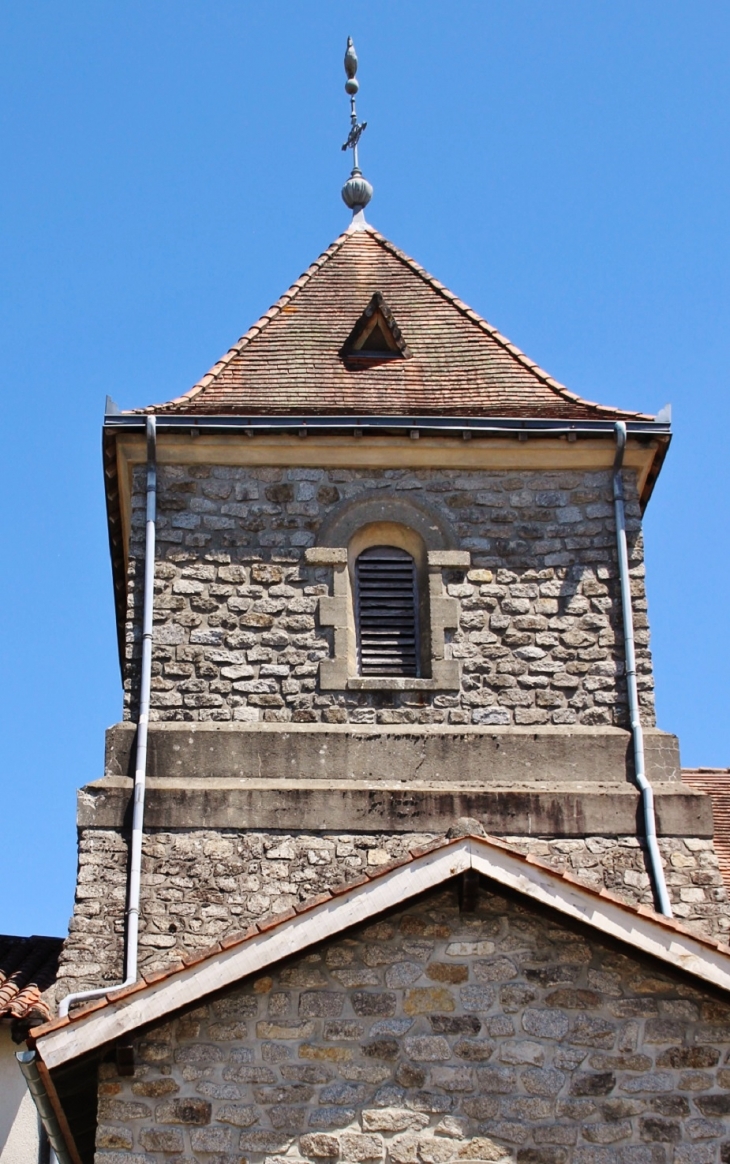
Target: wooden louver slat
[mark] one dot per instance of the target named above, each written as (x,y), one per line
(387,612)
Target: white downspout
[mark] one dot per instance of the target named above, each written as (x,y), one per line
(140,772)
(647,794)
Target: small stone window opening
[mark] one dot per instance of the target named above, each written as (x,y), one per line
(386,612)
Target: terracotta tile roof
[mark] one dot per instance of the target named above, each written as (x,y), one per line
(28,968)
(716,783)
(272,921)
(290,362)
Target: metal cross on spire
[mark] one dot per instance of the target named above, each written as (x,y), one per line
(357,191)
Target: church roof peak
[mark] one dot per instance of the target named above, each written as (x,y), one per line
(290,362)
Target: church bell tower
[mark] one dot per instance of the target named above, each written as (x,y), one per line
(379,580)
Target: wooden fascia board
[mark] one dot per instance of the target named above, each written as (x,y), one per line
(645,935)
(125,470)
(118,548)
(386,451)
(60,1114)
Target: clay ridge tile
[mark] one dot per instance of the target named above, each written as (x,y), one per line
(201,955)
(235,939)
(346,886)
(275,919)
(158,975)
(430,847)
(114,995)
(46,1028)
(397,863)
(313,902)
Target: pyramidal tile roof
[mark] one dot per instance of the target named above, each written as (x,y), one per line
(291,361)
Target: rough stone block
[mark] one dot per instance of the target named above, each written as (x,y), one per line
(392,1119)
(320,1145)
(427,1048)
(356,1147)
(427,999)
(195,1112)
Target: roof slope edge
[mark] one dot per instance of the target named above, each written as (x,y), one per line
(253,330)
(639,928)
(496,335)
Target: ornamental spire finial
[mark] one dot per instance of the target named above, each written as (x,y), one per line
(357,191)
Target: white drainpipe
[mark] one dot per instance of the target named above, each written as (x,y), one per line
(140,772)
(647,794)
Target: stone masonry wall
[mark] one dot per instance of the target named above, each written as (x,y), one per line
(430,1037)
(236,630)
(199,886)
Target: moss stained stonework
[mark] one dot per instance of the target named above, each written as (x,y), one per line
(432,1037)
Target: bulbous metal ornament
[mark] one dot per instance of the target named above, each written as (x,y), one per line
(356,192)
(351,86)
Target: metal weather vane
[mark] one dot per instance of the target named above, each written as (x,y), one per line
(357,191)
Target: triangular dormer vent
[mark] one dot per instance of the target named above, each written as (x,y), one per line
(375,338)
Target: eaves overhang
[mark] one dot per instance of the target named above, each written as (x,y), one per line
(652,435)
(443,425)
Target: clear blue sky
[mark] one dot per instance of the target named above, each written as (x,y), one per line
(170,168)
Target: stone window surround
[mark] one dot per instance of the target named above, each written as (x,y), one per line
(336,610)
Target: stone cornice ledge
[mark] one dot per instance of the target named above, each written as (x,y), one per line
(539,809)
(377,752)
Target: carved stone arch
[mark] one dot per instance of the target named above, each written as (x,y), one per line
(349,516)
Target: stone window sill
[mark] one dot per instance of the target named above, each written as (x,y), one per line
(392,683)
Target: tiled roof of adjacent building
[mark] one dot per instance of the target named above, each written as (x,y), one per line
(28,968)
(452,361)
(523,873)
(716,783)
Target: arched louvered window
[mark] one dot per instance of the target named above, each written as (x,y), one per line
(386,612)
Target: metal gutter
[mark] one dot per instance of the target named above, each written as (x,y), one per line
(27,1061)
(447,425)
(140,772)
(647,794)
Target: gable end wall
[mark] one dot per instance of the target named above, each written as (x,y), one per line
(434,1037)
